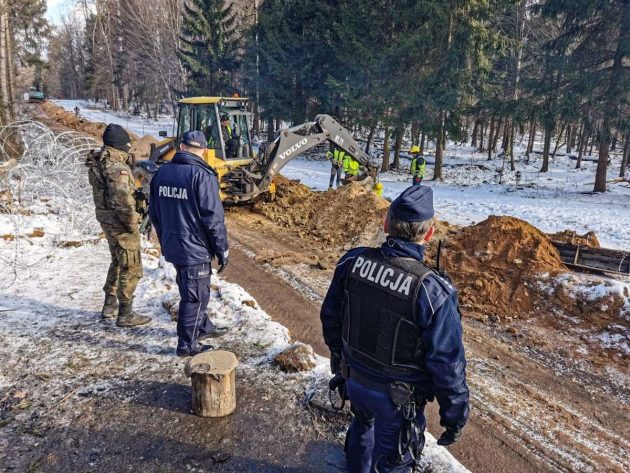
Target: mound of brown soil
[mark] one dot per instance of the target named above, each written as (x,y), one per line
(141,148)
(495,264)
(569,236)
(71,121)
(349,216)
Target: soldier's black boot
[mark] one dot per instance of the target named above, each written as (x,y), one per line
(110,307)
(128,318)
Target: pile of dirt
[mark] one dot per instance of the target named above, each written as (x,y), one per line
(349,216)
(496,263)
(141,148)
(71,121)
(569,236)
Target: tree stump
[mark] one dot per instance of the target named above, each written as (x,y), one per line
(213,383)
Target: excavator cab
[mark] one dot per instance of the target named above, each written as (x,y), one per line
(229,143)
(243,177)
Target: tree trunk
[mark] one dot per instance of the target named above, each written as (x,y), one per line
(400,130)
(482,133)
(422,138)
(270,130)
(473,138)
(497,133)
(4,86)
(569,138)
(415,133)
(370,138)
(581,146)
(613,146)
(625,156)
(510,150)
(506,136)
(213,378)
(555,148)
(385,165)
(490,138)
(10,69)
(602,160)
(546,148)
(532,137)
(439,148)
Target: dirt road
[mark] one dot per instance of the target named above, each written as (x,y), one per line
(530,412)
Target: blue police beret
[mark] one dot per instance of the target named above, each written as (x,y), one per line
(415,204)
(194,138)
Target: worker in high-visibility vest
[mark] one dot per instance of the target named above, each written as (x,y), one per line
(378,189)
(230,137)
(418,165)
(336,156)
(351,167)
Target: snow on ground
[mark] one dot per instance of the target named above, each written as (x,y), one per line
(140,125)
(473,189)
(49,309)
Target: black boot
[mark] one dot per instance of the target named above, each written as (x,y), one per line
(194,350)
(110,307)
(216,332)
(128,318)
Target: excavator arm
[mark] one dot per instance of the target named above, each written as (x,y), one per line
(291,143)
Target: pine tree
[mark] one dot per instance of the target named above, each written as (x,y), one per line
(210,46)
(593,42)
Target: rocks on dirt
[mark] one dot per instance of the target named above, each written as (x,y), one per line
(348,216)
(37,232)
(77,243)
(498,260)
(172,307)
(250,303)
(297,357)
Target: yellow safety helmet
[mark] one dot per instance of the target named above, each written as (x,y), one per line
(378,189)
(415,149)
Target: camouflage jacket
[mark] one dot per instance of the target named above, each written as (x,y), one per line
(113,189)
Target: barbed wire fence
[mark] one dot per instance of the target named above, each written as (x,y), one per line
(43,185)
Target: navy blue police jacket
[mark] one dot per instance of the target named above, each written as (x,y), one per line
(439,322)
(186,211)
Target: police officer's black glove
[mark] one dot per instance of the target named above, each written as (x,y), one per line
(222,258)
(449,436)
(335,362)
(339,384)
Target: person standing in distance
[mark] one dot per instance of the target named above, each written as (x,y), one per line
(113,189)
(186,211)
(395,336)
(418,165)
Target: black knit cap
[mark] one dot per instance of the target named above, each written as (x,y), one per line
(116,137)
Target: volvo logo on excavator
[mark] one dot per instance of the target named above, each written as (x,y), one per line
(292,149)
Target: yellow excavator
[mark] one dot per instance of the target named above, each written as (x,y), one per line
(246,176)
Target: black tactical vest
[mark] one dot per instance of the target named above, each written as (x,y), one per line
(379,326)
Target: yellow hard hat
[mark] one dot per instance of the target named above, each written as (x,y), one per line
(414,149)
(378,186)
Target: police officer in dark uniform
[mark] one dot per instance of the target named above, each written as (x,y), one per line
(187,214)
(393,328)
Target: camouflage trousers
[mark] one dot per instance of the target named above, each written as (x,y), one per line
(125,270)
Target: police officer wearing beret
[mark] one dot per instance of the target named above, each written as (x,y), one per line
(186,211)
(393,328)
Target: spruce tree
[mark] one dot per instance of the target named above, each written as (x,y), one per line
(209,47)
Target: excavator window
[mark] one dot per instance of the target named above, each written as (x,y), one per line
(201,118)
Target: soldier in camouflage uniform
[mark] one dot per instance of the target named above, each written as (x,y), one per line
(113,188)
